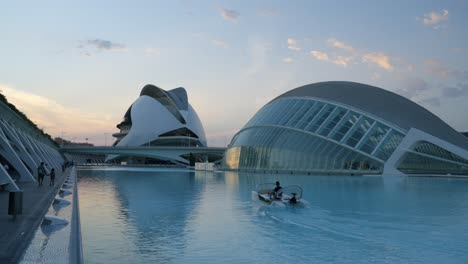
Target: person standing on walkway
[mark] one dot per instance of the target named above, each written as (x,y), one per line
(52,177)
(41,173)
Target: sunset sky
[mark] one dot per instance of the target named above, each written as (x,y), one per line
(75,67)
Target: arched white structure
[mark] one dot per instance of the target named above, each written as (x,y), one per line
(161,118)
(22,148)
(345,127)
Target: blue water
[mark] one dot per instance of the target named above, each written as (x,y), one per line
(167,216)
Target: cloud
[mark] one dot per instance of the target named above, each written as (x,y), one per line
(219,43)
(434,19)
(102,44)
(230,15)
(454,92)
(380,59)
(340,45)
(436,68)
(91,46)
(153,51)
(295,48)
(288,59)
(434,101)
(342,60)
(319,55)
(54,117)
(412,87)
(292,44)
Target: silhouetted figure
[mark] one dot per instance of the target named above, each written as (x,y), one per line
(41,173)
(274,192)
(52,177)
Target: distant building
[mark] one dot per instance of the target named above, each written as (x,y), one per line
(347,128)
(161,118)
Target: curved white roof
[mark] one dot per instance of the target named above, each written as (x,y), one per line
(384,104)
(157,112)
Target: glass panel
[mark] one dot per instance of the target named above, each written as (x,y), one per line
(434,150)
(359,131)
(374,138)
(389,145)
(322,116)
(332,121)
(415,163)
(266,148)
(309,116)
(306,105)
(351,118)
(290,111)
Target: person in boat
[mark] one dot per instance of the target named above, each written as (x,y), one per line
(274,192)
(293,199)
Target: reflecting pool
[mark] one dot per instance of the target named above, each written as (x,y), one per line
(176,216)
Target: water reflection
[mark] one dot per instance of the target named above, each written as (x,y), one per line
(204,217)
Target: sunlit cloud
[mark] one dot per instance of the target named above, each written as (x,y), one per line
(219,43)
(380,59)
(319,55)
(435,19)
(230,15)
(288,59)
(292,44)
(342,60)
(340,45)
(54,117)
(292,41)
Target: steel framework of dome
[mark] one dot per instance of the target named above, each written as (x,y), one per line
(350,128)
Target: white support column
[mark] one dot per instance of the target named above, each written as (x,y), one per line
(7,151)
(32,143)
(28,147)
(46,154)
(22,152)
(5,178)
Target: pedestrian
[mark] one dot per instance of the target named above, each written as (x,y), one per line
(52,177)
(41,173)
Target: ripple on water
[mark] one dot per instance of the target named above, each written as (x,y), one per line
(186,217)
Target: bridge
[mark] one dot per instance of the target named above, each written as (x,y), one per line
(160,152)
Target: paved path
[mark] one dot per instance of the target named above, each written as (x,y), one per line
(15,235)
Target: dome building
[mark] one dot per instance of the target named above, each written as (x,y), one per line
(347,128)
(160,118)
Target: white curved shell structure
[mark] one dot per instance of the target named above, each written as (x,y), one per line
(161,118)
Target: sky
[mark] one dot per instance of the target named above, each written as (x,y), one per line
(74,67)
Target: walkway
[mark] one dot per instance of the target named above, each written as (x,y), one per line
(15,235)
